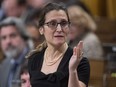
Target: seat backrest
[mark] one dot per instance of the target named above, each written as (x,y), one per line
(111,62)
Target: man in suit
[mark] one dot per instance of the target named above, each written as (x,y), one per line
(15,45)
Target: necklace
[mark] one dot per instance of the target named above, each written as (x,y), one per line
(52,62)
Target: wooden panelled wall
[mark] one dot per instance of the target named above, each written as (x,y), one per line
(104,8)
(106,30)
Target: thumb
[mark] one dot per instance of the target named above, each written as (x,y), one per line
(74,51)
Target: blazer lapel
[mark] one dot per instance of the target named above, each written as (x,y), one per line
(6,65)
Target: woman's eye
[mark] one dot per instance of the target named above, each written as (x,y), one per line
(53,23)
(64,23)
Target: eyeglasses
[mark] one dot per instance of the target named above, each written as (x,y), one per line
(54,24)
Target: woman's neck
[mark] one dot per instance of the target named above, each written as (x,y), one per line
(54,52)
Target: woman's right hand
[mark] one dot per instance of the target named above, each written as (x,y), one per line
(76,57)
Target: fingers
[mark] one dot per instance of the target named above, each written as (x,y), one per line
(80,45)
(79,48)
(77,51)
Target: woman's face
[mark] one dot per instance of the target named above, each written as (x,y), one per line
(56,27)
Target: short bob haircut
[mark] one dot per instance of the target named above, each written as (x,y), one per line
(18,23)
(49,7)
(81,18)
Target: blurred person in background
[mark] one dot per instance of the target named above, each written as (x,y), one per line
(34,33)
(14,8)
(33,9)
(1,13)
(15,44)
(32,16)
(66,2)
(31,22)
(0,3)
(82,28)
(36,4)
(1,55)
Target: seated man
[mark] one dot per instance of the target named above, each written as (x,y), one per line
(14,42)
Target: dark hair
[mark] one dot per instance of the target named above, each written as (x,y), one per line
(1,3)
(31,24)
(49,7)
(18,23)
(21,2)
(24,67)
(32,15)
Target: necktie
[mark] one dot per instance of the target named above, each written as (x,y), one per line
(12,74)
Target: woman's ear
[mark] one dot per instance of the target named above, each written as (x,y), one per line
(41,30)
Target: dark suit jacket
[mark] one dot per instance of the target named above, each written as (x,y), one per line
(6,66)
(4,72)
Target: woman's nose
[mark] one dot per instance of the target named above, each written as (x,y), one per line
(59,28)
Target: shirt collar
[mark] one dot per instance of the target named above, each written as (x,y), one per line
(21,57)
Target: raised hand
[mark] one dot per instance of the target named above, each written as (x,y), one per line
(76,57)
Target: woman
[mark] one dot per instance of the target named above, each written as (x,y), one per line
(83,27)
(54,64)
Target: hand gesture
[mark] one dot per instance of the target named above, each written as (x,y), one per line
(76,57)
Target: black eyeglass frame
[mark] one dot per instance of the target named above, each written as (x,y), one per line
(66,25)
